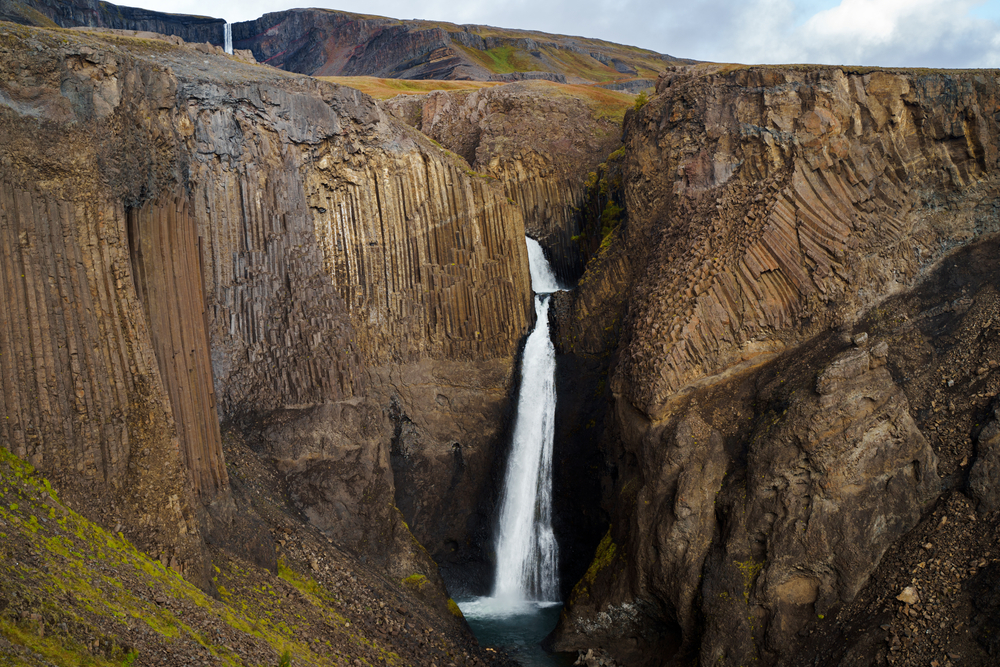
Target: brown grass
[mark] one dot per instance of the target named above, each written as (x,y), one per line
(383,89)
(604,103)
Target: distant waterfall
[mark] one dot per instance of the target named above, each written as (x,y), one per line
(229,38)
(526,545)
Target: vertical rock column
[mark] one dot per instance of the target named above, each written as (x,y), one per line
(167,267)
(64,358)
(81,396)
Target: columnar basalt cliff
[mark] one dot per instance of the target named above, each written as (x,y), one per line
(546,144)
(779,370)
(232,242)
(539,139)
(831,181)
(762,463)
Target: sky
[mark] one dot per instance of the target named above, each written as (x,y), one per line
(887,33)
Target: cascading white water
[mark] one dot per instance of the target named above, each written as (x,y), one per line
(524,606)
(229,38)
(543,281)
(526,545)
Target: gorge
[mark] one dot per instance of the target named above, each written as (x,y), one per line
(261,341)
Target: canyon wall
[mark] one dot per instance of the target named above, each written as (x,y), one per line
(191,238)
(550,147)
(539,139)
(98,14)
(773,430)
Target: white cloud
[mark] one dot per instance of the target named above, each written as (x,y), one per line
(897,33)
(892,33)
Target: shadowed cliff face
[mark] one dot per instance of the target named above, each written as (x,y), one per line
(98,14)
(191,236)
(760,463)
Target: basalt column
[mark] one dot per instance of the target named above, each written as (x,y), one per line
(167,268)
(81,396)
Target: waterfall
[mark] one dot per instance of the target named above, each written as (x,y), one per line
(526,545)
(229,38)
(524,605)
(543,281)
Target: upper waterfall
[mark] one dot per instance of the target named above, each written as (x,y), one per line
(543,280)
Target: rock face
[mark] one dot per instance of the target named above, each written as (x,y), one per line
(828,489)
(231,242)
(545,143)
(985,474)
(98,14)
(332,43)
(825,178)
(540,140)
(760,463)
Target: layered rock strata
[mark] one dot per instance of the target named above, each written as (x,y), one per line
(98,14)
(759,466)
(224,239)
(332,43)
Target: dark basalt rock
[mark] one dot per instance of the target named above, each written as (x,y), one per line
(99,14)
(766,456)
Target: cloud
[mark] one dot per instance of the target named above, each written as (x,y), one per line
(890,33)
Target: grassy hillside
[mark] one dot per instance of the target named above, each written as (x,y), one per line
(370,45)
(608,104)
(73,594)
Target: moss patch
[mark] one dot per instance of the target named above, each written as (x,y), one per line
(74,594)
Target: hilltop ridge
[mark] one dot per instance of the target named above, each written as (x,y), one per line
(333,43)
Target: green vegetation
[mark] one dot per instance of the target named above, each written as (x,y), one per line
(454,609)
(605,554)
(69,590)
(305,585)
(602,211)
(640,100)
(503,59)
(610,219)
(63,652)
(749,569)
(581,65)
(603,558)
(415,581)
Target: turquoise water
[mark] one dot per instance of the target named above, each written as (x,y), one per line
(516,627)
